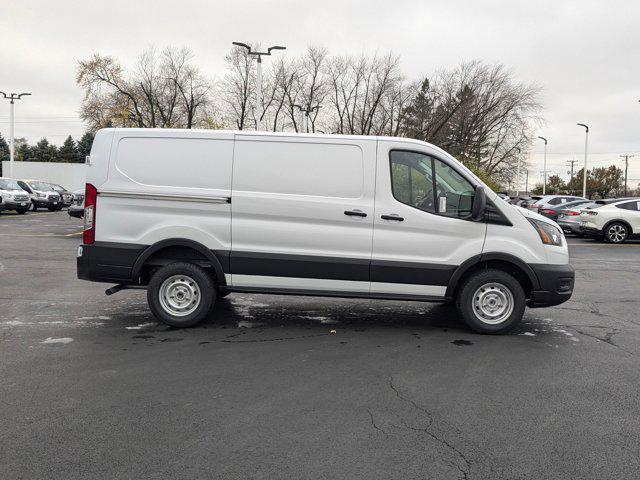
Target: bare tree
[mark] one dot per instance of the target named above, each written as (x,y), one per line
(359,89)
(163,91)
(479,114)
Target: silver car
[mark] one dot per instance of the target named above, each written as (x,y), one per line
(12,197)
(42,195)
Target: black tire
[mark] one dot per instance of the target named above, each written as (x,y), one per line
(616,232)
(34,208)
(223,293)
(192,273)
(22,211)
(502,283)
(52,209)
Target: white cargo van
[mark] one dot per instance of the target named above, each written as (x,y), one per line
(192,215)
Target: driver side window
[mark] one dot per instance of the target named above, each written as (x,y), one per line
(411,179)
(430,185)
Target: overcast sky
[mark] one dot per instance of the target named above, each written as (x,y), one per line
(584,54)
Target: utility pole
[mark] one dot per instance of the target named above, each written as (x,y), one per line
(572,163)
(526,184)
(586,144)
(544,168)
(518,174)
(258,76)
(12,98)
(307,111)
(626,168)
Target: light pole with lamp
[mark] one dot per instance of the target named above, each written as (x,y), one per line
(584,170)
(544,167)
(258,75)
(307,112)
(12,98)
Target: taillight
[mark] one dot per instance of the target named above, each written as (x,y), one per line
(571,212)
(548,211)
(90,197)
(535,206)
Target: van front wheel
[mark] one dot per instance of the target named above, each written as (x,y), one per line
(491,301)
(181,294)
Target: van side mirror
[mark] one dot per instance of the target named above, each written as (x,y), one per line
(479,204)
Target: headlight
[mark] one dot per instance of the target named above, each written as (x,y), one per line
(40,195)
(549,234)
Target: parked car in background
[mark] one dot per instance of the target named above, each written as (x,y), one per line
(613,222)
(570,207)
(13,197)
(520,201)
(42,194)
(551,201)
(65,195)
(77,206)
(504,196)
(569,218)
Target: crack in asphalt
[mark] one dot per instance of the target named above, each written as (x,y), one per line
(374,425)
(607,338)
(443,441)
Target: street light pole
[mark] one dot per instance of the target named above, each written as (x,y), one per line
(12,98)
(518,174)
(307,112)
(584,170)
(544,167)
(259,55)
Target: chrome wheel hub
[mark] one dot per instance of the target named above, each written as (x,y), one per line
(616,233)
(493,303)
(179,295)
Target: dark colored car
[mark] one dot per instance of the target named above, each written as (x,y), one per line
(554,212)
(65,195)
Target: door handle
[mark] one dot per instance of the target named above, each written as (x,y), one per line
(397,218)
(355,213)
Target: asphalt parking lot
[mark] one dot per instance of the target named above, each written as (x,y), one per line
(290,387)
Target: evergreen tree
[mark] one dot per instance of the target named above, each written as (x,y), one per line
(23,153)
(43,151)
(84,146)
(68,152)
(4,152)
(4,149)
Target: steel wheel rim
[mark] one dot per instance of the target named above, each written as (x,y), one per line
(617,233)
(493,303)
(179,295)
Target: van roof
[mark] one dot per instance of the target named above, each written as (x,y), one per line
(182,132)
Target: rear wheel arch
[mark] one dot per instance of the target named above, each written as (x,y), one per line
(623,222)
(179,250)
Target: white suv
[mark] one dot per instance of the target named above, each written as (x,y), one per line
(615,222)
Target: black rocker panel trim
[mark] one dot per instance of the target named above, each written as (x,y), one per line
(299,266)
(411,273)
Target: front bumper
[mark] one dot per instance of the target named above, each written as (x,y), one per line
(555,284)
(11,205)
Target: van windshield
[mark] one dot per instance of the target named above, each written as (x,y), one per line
(6,184)
(41,186)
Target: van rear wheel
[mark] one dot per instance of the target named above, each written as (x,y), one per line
(491,301)
(181,294)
